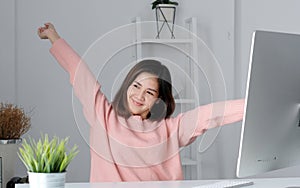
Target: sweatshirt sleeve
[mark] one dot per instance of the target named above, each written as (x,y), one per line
(195,122)
(66,57)
(85,85)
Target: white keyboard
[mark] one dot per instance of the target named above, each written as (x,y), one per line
(227,184)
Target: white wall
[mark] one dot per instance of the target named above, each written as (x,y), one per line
(253,15)
(33,79)
(7,51)
(279,15)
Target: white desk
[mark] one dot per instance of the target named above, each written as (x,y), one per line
(258,183)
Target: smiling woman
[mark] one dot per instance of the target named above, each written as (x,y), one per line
(126,133)
(146,91)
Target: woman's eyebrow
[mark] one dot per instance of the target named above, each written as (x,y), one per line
(154,90)
(138,83)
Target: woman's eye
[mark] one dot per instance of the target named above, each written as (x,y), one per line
(150,93)
(135,85)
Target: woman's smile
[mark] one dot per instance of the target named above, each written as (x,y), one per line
(136,102)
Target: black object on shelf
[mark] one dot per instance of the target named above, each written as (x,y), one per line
(16,180)
(162,17)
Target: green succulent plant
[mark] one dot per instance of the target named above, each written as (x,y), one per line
(157,2)
(46,156)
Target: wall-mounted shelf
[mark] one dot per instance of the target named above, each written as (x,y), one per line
(185,99)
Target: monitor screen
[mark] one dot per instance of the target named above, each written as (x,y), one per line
(270,136)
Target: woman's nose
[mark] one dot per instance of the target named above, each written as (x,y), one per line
(141,95)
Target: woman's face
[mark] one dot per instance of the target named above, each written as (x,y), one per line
(142,94)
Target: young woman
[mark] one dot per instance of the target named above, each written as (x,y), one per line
(134,138)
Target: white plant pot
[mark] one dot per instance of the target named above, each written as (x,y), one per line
(168,10)
(47,180)
(8,158)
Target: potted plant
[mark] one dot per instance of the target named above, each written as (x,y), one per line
(46,161)
(158,2)
(165,11)
(14,123)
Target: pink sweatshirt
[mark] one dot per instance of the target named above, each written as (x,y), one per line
(134,149)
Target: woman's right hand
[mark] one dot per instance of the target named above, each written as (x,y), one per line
(48,32)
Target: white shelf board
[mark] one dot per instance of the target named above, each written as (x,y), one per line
(184,101)
(166,41)
(188,162)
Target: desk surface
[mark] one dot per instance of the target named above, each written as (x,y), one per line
(258,183)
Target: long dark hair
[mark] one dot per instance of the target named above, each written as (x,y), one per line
(165,104)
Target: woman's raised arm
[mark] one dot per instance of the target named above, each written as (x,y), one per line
(85,85)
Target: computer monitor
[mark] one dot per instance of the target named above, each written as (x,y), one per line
(270,135)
